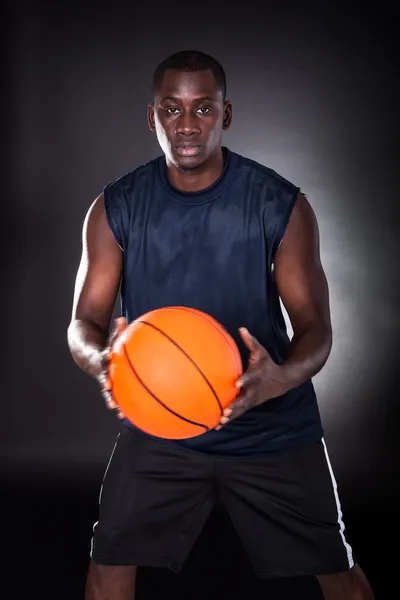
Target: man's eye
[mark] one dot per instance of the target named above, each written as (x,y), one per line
(171,110)
(205,110)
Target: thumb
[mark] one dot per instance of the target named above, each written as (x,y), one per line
(120,324)
(257,351)
(252,343)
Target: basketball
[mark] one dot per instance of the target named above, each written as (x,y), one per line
(173,371)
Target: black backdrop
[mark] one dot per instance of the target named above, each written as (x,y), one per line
(313,95)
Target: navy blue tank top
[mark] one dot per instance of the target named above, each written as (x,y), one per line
(214,250)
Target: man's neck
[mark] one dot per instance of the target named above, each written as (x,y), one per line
(195,180)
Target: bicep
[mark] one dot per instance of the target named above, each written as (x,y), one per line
(99,271)
(298,271)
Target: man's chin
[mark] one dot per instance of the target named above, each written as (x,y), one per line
(186,164)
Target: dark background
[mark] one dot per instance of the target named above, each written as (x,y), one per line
(313,94)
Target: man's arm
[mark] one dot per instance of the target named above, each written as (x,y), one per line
(96,289)
(303,288)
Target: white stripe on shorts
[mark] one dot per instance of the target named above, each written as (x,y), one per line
(339,509)
(101,490)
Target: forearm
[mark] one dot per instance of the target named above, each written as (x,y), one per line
(86,341)
(306,354)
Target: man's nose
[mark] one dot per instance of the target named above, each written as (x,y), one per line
(187,124)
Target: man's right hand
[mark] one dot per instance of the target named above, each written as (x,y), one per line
(96,289)
(120,324)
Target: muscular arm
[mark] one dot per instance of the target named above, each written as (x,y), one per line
(96,289)
(303,288)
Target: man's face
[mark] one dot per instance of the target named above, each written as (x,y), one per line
(188,116)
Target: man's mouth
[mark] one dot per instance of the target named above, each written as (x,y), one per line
(188,149)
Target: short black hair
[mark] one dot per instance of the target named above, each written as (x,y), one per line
(190,61)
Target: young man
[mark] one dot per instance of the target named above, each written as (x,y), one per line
(204,227)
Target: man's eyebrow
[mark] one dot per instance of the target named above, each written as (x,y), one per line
(201,99)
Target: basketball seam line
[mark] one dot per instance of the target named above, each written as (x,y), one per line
(225,335)
(157,399)
(187,356)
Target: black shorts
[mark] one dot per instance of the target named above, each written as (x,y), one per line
(155,500)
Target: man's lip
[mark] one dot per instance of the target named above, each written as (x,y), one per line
(192,150)
(187,145)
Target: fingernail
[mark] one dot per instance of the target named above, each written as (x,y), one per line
(224,420)
(228,412)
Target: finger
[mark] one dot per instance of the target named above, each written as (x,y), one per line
(246,379)
(242,403)
(227,413)
(119,327)
(235,409)
(252,343)
(110,402)
(247,337)
(230,414)
(104,381)
(106,391)
(107,384)
(120,324)
(233,406)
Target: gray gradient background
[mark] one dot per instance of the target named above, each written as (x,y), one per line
(313,97)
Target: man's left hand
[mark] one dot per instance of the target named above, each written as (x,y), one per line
(264,379)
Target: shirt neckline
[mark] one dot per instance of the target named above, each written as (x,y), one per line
(207,194)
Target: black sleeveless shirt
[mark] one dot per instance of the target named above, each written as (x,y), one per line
(214,250)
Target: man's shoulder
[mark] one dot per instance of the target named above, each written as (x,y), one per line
(131,178)
(261,172)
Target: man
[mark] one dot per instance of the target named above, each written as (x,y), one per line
(204,227)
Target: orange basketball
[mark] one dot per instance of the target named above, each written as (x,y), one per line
(173,371)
